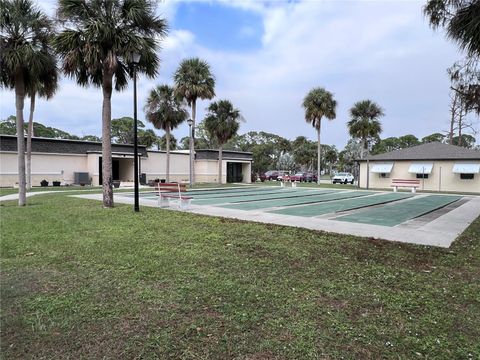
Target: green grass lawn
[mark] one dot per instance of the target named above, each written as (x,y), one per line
(79,281)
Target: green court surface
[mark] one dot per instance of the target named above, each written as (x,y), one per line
(343,205)
(287,193)
(395,214)
(225,194)
(320,196)
(207,193)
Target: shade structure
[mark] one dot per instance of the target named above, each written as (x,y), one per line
(385,168)
(466,168)
(421,168)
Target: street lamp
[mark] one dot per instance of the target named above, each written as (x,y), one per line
(135,59)
(190,123)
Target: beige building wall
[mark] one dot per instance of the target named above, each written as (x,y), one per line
(92,168)
(51,167)
(156,164)
(61,167)
(441,178)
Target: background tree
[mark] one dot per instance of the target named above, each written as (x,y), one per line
(304,152)
(25,33)
(331,157)
(407,141)
(319,103)
(194,80)
(96,46)
(165,111)
(435,137)
(45,85)
(466,140)
(147,138)
(122,131)
(222,122)
(364,124)
(91,138)
(162,142)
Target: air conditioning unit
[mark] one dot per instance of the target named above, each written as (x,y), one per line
(81,178)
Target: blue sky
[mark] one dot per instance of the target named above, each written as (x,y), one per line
(267,55)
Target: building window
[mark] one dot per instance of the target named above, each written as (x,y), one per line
(384,175)
(422,176)
(467,176)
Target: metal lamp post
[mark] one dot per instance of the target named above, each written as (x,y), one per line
(190,123)
(135,59)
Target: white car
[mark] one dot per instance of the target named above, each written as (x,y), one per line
(343,178)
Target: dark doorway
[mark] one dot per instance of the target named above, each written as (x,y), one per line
(115,169)
(234,172)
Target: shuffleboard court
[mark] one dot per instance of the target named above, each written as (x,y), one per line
(288,193)
(321,196)
(343,205)
(395,214)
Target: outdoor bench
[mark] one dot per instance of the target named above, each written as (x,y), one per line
(169,191)
(405,183)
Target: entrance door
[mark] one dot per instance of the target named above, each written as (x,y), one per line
(115,169)
(234,172)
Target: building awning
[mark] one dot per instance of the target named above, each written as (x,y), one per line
(382,168)
(466,168)
(420,168)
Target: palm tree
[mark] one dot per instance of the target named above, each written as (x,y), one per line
(461,20)
(96,45)
(364,124)
(194,80)
(319,103)
(25,34)
(45,86)
(165,111)
(222,123)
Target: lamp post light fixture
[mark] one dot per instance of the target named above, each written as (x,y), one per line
(135,59)
(190,123)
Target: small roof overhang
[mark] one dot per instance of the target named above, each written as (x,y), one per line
(382,168)
(466,168)
(420,168)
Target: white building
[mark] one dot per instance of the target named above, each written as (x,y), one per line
(59,160)
(438,167)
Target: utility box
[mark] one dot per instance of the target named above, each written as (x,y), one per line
(81,178)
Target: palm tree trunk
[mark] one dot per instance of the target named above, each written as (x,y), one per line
(362,148)
(319,154)
(107,180)
(168,154)
(29,141)
(460,118)
(19,103)
(192,142)
(220,161)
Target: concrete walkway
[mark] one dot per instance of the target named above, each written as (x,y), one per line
(441,231)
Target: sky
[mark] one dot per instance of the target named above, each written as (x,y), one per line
(267,55)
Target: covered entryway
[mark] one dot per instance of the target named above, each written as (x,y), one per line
(122,169)
(234,172)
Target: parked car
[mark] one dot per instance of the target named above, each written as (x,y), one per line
(283,176)
(300,177)
(343,178)
(262,177)
(271,175)
(311,177)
